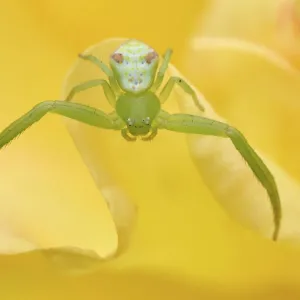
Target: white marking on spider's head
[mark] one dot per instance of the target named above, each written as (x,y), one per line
(134,64)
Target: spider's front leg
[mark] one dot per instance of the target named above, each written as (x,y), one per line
(105,69)
(166,91)
(162,70)
(76,111)
(200,125)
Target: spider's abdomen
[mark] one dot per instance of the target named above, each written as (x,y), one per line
(138,111)
(134,65)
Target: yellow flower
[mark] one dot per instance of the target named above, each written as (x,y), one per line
(183,245)
(257,89)
(272,23)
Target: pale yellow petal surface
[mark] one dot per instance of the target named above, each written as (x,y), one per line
(287,30)
(273,23)
(180,228)
(45,32)
(75,24)
(257,92)
(47,196)
(184,246)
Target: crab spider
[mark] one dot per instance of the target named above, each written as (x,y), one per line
(132,90)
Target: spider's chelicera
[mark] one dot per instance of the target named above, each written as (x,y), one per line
(135,76)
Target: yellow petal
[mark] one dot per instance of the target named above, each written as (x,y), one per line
(258,92)
(176,212)
(139,172)
(76,24)
(273,23)
(183,247)
(287,31)
(47,196)
(154,175)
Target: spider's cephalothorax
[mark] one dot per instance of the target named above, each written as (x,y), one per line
(134,65)
(138,113)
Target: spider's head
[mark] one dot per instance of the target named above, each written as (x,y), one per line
(134,65)
(138,113)
(139,127)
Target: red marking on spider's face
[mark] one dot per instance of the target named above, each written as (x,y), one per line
(118,57)
(150,56)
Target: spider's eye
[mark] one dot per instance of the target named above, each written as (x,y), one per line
(146,121)
(130,122)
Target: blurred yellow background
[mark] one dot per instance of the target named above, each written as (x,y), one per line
(182,249)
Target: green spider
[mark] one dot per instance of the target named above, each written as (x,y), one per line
(134,79)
